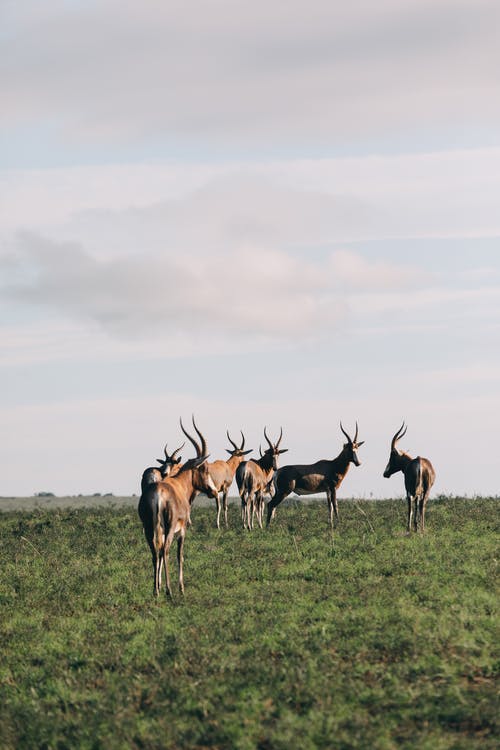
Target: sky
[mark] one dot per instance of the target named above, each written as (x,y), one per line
(280,214)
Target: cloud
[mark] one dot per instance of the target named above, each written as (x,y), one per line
(353,271)
(236,210)
(215,258)
(249,294)
(266,74)
(294,204)
(255,293)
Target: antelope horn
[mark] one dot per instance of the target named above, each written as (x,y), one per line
(260,451)
(191,439)
(204,450)
(279,439)
(177,451)
(231,441)
(345,433)
(399,434)
(166,459)
(270,444)
(356,435)
(242,440)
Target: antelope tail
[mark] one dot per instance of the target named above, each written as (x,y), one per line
(418,478)
(241,479)
(158,533)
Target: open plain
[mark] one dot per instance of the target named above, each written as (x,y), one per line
(288,637)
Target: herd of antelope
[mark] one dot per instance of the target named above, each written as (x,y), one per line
(168,491)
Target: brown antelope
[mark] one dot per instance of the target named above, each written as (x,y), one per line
(253,479)
(222,473)
(169,466)
(309,479)
(419,477)
(164,509)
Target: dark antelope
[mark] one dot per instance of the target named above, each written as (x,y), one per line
(222,473)
(419,477)
(309,479)
(164,509)
(253,479)
(169,466)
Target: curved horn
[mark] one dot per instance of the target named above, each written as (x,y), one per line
(399,434)
(166,459)
(260,451)
(356,435)
(177,451)
(204,450)
(242,440)
(231,441)
(279,439)
(270,444)
(345,433)
(191,439)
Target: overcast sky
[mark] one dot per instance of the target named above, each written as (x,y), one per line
(279,213)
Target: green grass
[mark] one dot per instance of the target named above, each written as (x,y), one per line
(287,638)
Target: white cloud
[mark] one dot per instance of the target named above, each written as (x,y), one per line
(221,72)
(353,271)
(36,198)
(254,294)
(250,298)
(300,203)
(434,302)
(220,258)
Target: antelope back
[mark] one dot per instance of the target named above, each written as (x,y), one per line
(150,475)
(419,476)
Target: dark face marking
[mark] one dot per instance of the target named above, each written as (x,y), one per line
(352,449)
(393,465)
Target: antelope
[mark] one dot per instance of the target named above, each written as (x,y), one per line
(169,466)
(419,477)
(222,473)
(165,506)
(309,479)
(253,479)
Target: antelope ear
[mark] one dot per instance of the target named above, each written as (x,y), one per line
(361,443)
(200,460)
(177,460)
(245,453)
(161,460)
(283,450)
(230,452)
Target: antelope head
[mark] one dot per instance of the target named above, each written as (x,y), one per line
(169,463)
(202,480)
(394,464)
(352,445)
(237,450)
(274,448)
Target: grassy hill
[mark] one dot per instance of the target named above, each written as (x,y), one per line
(288,638)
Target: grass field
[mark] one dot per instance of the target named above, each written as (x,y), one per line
(287,638)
